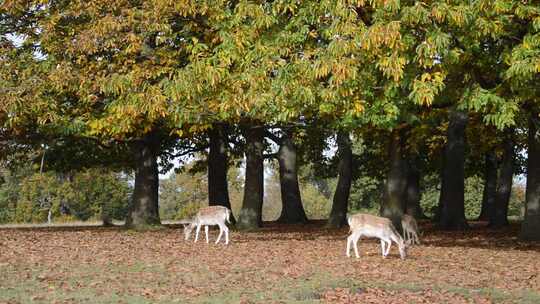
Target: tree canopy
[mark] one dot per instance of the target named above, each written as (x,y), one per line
(149,79)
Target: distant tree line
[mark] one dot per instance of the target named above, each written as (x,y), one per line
(27,196)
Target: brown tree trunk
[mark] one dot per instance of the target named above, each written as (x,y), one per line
(218,190)
(452,199)
(106,219)
(143,211)
(251,213)
(395,189)
(338,214)
(292,210)
(413,207)
(106,211)
(530,229)
(105,215)
(499,214)
(490,186)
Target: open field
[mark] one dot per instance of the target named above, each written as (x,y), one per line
(278,264)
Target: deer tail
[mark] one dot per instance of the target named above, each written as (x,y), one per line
(349,219)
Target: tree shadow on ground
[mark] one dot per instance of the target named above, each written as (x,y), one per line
(477,236)
(67,228)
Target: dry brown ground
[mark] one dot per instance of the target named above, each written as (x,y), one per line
(278,264)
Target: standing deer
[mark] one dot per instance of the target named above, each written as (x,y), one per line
(410,229)
(373,226)
(212,215)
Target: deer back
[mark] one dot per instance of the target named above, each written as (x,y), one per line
(370,225)
(212,215)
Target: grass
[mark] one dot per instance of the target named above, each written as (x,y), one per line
(81,288)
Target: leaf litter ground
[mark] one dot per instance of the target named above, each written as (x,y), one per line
(277,264)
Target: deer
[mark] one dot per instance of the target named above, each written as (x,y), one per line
(207,216)
(374,226)
(410,229)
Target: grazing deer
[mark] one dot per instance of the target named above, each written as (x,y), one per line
(212,215)
(410,229)
(374,226)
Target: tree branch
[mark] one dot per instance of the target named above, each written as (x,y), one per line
(186,152)
(442,105)
(271,155)
(273,137)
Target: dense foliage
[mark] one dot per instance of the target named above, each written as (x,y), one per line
(423,88)
(26,197)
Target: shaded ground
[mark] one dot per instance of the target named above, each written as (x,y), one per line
(279,264)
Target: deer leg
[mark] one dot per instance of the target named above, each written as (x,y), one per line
(389,243)
(206,232)
(416,238)
(356,245)
(220,233)
(226,234)
(349,240)
(197,233)
(383,245)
